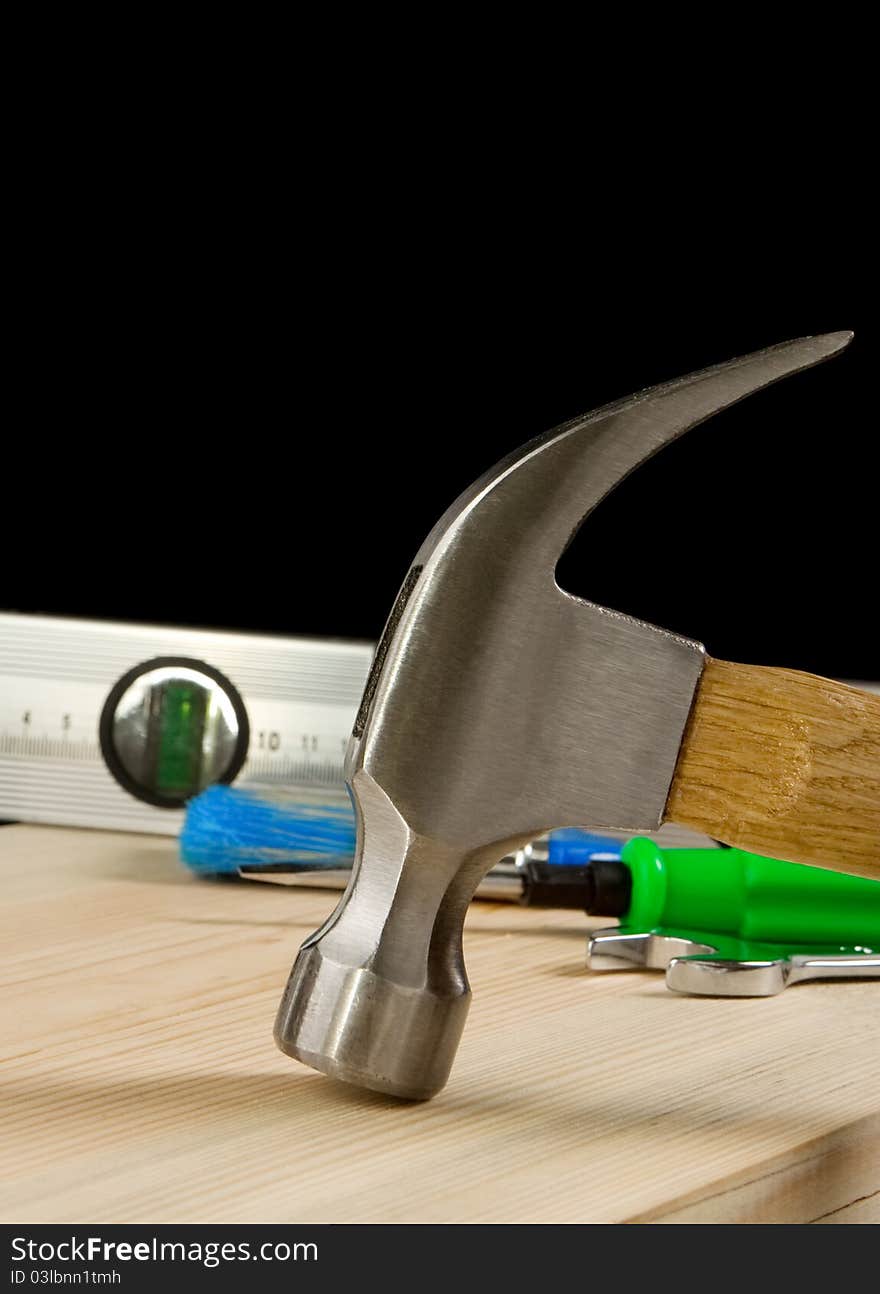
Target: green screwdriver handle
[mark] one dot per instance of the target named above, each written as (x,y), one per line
(734,892)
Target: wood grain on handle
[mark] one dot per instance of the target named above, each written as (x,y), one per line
(783,764)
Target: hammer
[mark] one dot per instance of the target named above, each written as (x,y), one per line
(500,707)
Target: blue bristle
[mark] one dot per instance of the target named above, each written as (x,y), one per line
(229,827)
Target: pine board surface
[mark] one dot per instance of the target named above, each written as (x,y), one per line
(139,1081)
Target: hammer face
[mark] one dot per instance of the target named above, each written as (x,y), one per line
(364,1028)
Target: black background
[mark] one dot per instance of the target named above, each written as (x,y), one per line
(262,442)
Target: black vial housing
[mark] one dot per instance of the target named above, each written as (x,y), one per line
(601,888)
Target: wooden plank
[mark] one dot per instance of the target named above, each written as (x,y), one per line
(861,1211)
(783,764)
(139,1081)
(817,1183)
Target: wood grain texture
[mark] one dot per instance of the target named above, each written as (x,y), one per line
(783,764)
(139,1081)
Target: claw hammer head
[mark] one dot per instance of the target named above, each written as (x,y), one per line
(498,707)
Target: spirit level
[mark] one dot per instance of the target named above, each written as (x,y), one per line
(298,699)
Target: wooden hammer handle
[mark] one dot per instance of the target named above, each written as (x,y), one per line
(782,764)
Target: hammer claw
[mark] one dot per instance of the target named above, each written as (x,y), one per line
(549,486)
